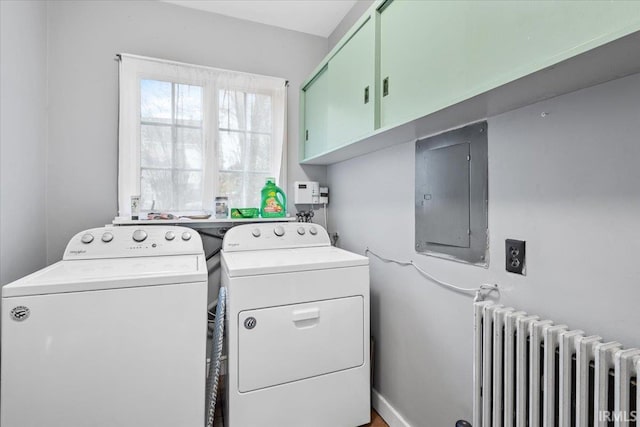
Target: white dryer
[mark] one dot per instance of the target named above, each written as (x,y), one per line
(112,335)
(297,328)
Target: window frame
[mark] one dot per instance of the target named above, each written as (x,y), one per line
(212,81)
(208,145)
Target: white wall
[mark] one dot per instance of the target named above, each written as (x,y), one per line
(85,36)
(566,183)
(347,22)
(23,125)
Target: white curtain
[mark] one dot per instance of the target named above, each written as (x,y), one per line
(189,133)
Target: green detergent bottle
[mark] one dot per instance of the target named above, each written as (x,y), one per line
(274,201)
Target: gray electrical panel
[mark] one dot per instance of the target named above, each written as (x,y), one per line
(452,195)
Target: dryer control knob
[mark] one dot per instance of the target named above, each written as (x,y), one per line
(87,238)
(256,232)
(279,231)
(313,231)
(301,231)
(186,236)
(170,235)
(139,235)
(107,237)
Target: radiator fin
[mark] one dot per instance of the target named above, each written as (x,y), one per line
(529,372)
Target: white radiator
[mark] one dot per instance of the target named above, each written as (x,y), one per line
(530,372)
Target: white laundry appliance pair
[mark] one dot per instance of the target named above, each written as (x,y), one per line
(112,335)
(297,328)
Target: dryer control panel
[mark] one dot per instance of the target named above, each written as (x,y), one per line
(278,235)
(133,241)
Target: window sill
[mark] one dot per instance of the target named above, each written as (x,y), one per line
(199,223)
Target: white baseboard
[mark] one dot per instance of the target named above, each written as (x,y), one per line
(386,411)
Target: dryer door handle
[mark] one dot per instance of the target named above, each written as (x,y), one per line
(306,314)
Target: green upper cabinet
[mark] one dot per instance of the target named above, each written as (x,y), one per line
(434,54)
(316,101)
(352,88)
(419,57)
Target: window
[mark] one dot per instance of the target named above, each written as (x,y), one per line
(191,133)
(171,146)
(245,149)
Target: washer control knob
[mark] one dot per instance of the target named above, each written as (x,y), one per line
(255,232)
(186,236)
(107,237)
(279,231)
(139,235)
(87,238)
(301,231)
(170,235)
(313,231)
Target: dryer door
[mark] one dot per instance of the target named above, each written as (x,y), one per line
(293,342)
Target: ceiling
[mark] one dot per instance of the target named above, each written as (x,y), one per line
(317,17)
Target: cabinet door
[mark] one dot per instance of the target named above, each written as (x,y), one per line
(316,100)
(437,53)
(351,88)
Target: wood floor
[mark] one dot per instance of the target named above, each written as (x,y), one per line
(376,420)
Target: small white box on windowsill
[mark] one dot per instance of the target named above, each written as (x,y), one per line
(306,193)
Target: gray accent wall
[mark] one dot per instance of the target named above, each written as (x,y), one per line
(565,181)
(84,37)
(23,137)
(350,18)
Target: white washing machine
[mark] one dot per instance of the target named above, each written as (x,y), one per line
(297,328)
(112,335)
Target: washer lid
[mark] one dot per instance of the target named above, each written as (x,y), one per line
(110,273)
(252,263)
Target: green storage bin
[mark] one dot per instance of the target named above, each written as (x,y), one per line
(239,213)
